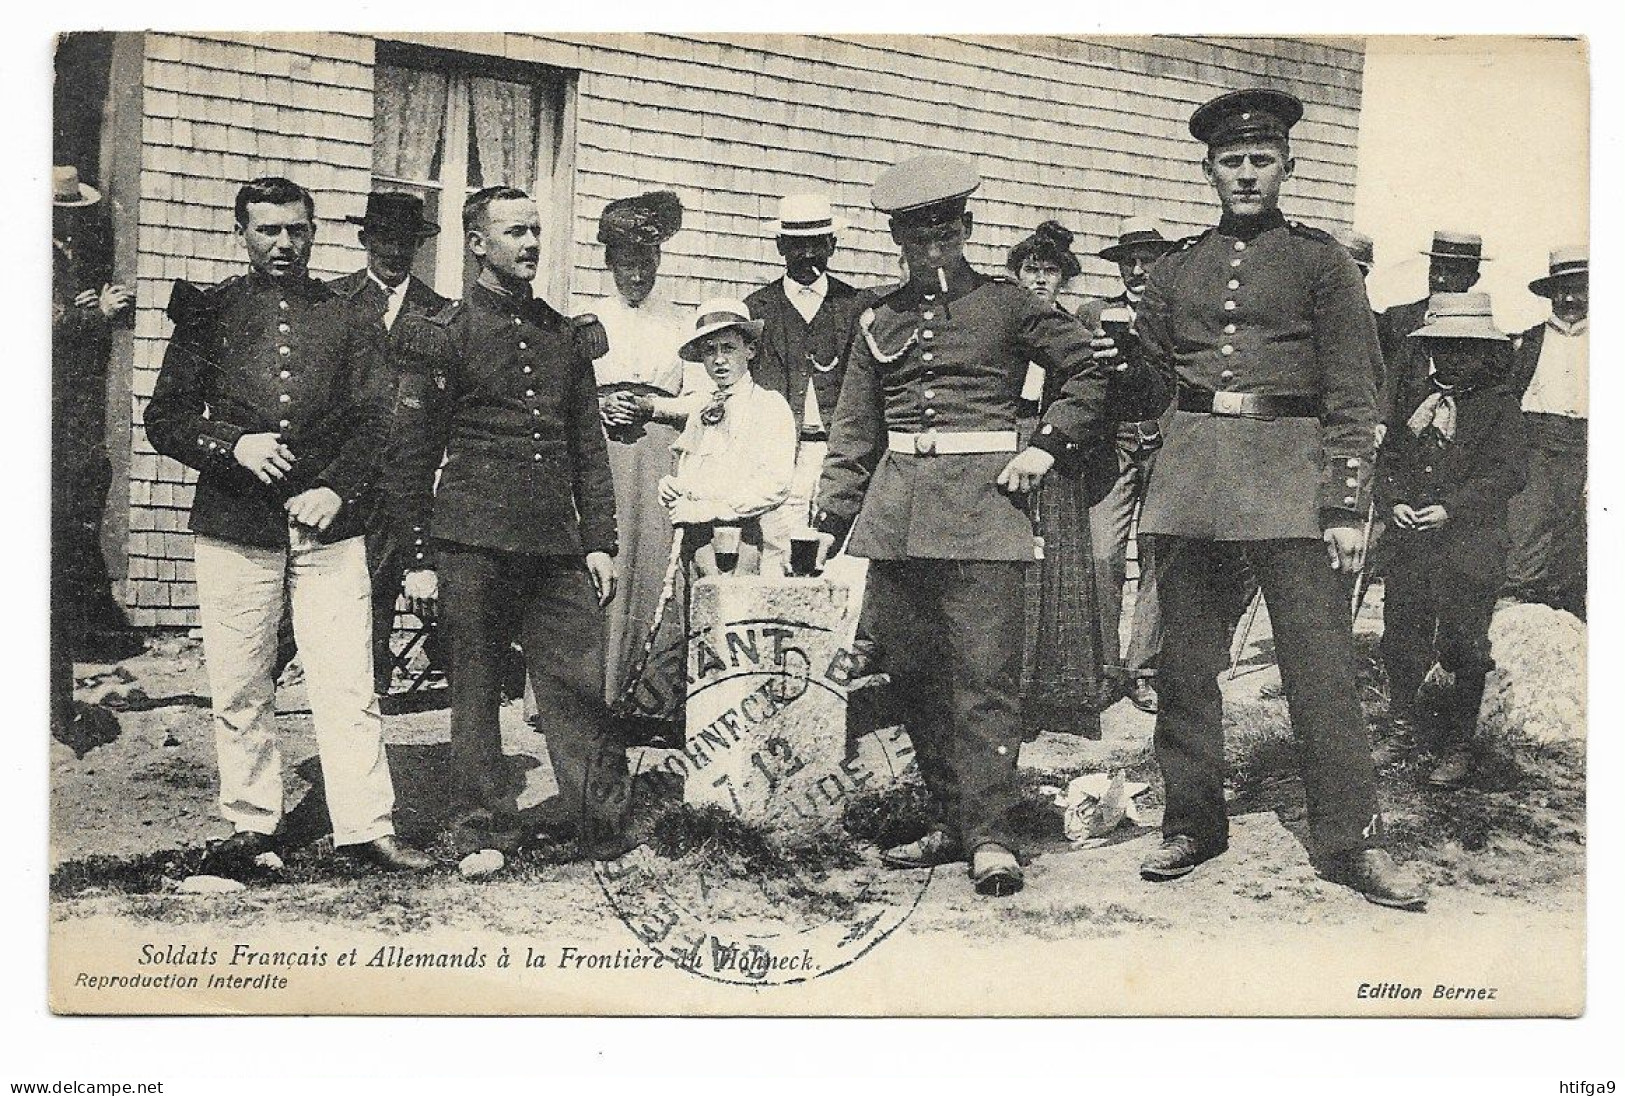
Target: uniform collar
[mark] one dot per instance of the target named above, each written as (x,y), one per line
(1250,228)
(305,286)
(527,307)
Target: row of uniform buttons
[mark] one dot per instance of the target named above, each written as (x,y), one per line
(284,350)
(1228,375)
(530,394)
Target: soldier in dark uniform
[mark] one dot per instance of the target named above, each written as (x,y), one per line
(1453,458)
(275,389)
(521,530)
(1264,327)
(393,228)
(923,468)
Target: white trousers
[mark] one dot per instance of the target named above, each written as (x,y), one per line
(241,593)
(785,520)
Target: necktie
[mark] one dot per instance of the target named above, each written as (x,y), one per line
(1437,411)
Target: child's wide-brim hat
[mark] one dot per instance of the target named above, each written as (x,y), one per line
(1459,316)
(718,314)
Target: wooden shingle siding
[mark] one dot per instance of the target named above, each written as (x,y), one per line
(1085,131)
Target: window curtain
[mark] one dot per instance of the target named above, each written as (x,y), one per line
(504,133)
(409,115)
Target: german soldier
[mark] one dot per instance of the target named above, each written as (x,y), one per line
(923,468)
(1263,327)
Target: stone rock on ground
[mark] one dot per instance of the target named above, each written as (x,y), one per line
(1538,689)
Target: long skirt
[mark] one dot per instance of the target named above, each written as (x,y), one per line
(1061,663)
(638,458)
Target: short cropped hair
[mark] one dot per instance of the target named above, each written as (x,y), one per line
(272,190)
(479,201)
(1282,143)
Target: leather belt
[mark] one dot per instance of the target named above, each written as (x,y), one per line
(935,442)
(1249,405)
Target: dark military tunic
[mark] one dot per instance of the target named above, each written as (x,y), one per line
(958,362)
(262,355)
(498,386)
(1275,308)
(1261,307)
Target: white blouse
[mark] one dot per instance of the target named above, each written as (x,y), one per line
(740,467)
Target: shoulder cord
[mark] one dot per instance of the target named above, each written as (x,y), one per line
(865,324)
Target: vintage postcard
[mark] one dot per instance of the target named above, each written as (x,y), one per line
(839,525)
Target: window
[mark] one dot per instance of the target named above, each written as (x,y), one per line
(447,124)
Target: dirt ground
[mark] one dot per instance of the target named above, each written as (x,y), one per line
(129,816)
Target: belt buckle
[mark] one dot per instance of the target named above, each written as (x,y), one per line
(1229,403)
(925,443)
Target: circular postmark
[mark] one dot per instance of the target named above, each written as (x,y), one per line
(768,888)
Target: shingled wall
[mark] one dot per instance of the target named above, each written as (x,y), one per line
(1084,131)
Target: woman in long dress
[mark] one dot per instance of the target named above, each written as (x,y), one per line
(1060,674)
(645,394)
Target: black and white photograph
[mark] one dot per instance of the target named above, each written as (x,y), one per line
(838,524)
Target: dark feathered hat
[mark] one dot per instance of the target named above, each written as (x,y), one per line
(645,221)
(1049,241)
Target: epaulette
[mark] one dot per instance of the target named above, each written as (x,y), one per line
(444,317)
(1310,232)
(428,335)
(189,304)
(1188,242)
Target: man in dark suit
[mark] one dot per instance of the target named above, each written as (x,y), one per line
(1452,459)
(807,321)
(393,229)
(276,390)
(925,472)
(1453,266)
(499,388)
(1262,327)
(1139,245)
(1550,369)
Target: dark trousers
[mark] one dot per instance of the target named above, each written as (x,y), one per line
(1546,521)
(486,598)
(952,634)
(1202,587)
(386,566)
(1431,612)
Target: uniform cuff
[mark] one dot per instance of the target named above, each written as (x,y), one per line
(1345,488)
(836,526)
(1055,443)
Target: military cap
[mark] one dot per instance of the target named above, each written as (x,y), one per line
(1253,114)
(925,190)
(1360,248)
(1568,264)
(647,220)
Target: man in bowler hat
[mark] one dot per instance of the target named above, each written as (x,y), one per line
(1262,327)
(393,230)
(924,470)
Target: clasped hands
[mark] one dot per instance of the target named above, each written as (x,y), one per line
(624,409)
(110,300)
(1423,520)
(270,459)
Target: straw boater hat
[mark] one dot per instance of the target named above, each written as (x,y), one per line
(1457,245)
(1567,264)
(1459,316)
(718,314)
(1137,232)
(67,192)
(391,212)
(807,215)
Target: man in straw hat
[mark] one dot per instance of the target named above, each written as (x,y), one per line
(1140,243)
(1263,326)
(519,536)
(1550,368)
(924,471)
(1452,460)
(276,390)
(393,229)
(1454,259)
(808,316)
